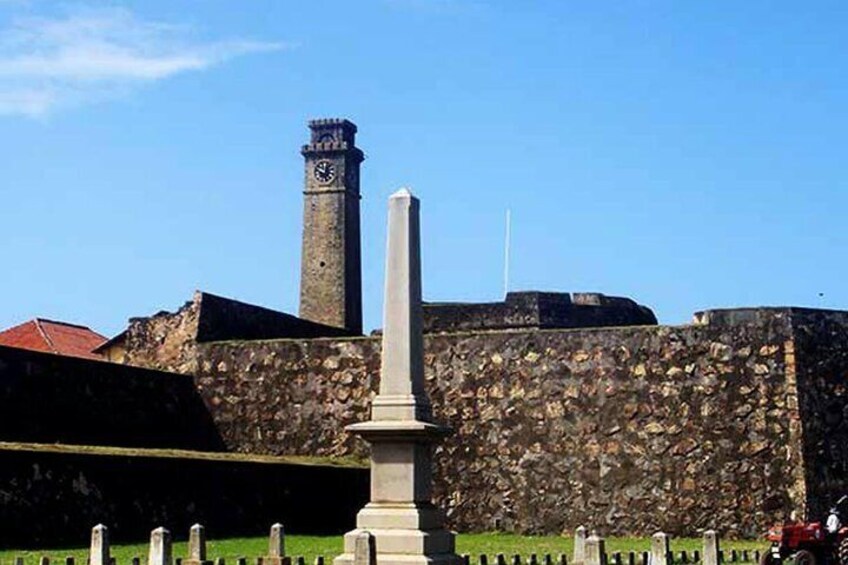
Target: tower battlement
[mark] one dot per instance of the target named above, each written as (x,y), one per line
(333,129)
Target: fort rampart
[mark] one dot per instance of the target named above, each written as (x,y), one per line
(734,421)
(47,398)
(51,495)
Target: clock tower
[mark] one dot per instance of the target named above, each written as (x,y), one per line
(330,270)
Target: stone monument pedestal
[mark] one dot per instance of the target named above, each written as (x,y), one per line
(407,527)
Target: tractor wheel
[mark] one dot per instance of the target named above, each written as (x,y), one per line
(842,552)
(768,559)
(804,557)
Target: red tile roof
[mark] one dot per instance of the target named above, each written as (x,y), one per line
(53,337)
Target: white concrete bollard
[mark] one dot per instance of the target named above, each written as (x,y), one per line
(99,551)
(277,546)
(365,553)
(160,547)
(196,545)
(659,549)
(711,548)
(277,541)
(596,553)
(579,546)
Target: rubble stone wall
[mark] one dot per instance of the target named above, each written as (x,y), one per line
(822,360)
(629,430)
(47,398)
(537,310)
(51,498)
(227,319)
(165,341)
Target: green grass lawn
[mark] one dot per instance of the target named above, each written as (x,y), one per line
(329,546)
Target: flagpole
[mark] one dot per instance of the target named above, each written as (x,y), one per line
(506,254)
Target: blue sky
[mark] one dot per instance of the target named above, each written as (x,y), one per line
(687,154)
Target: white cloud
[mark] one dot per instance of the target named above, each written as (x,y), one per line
(92,55)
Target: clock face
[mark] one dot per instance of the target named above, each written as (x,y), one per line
(324,171)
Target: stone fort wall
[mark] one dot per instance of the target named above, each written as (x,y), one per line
(821,354)
(164,464)
(733,422)
(47,398)
(54,496)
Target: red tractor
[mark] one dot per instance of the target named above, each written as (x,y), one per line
(811,543)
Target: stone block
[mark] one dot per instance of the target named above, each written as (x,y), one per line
(401,472)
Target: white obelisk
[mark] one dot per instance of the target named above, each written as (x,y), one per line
(407,528)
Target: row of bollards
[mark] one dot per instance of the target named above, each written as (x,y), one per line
(588,550)
(161,552)
(591,551)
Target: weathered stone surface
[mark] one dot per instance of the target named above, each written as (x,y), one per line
(167,340)
(50,498)
(540,310)
(554,428)
(719,416)
(47,398)
(820,356)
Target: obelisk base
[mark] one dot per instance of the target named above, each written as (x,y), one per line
(407,528)
(403,559)
(404,534)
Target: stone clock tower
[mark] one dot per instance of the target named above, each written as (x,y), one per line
(330,271)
